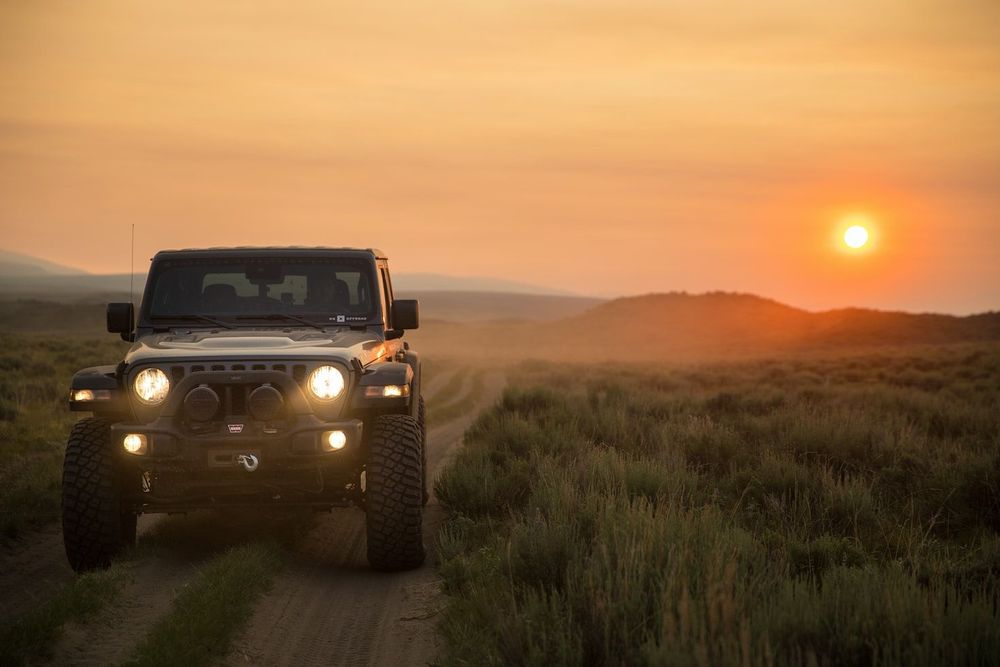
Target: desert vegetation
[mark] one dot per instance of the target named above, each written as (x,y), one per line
(838,509)
(34,419)
(829,508)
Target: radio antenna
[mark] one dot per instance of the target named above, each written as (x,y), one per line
(131,269)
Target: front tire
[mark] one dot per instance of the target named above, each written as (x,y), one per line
(393,495)
(95,527)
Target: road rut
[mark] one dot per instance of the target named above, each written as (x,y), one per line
(328,608)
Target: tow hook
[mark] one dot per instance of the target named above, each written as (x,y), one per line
(248,461)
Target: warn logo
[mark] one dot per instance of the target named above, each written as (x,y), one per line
(235,428)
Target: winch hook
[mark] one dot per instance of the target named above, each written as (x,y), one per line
(248,461)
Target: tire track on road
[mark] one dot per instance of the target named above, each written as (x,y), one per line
(328,608)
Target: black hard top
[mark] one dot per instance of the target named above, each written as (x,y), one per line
(252,251)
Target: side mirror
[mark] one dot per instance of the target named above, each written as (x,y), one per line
(405,314)
(121,319)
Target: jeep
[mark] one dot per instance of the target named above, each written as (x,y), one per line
(257,377)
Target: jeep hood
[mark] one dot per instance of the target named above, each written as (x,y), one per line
(255,344)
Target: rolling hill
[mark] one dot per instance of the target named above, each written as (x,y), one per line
(726,324)
(680,326)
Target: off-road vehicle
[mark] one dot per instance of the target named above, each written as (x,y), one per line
(257,377)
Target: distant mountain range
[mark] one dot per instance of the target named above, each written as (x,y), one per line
(30,276)
(437,282)
(16,264)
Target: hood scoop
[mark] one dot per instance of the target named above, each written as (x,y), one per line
(240,343)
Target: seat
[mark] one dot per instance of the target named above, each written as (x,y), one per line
(330,296)
(341,294)
(219,297)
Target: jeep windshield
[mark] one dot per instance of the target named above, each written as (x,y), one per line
(249,291)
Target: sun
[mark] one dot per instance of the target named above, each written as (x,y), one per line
(856,236)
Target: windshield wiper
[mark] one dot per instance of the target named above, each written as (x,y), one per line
(283,316)
(192,318)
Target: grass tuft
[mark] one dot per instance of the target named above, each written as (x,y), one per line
(206,616)
(34,634)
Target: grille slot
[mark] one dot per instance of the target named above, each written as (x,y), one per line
(297,371)
(235,398)
(239,403)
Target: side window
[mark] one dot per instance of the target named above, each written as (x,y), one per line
(388,283)
(386,296)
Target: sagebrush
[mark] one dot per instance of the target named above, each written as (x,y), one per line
(810,511)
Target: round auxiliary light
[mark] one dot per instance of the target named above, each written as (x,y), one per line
(326,383)
(265,402)
(201,403)
(151,386)
(334,440)
(134,443)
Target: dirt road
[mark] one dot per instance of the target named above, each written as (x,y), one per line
(325,607)
(329,608)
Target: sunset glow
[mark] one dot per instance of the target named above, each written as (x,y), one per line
(597,147)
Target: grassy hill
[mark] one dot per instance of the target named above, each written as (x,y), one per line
(724,324)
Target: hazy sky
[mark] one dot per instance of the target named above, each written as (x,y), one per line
(611,147)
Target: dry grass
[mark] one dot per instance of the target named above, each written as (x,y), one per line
(840,510)
(35,420)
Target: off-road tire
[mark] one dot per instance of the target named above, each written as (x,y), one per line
(422,419)
(95,529)
(394,519)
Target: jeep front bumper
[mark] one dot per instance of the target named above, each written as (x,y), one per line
(187,464)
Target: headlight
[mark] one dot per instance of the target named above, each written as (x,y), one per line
(326,383)
(151,386)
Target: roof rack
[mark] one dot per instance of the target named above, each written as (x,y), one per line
(294,250)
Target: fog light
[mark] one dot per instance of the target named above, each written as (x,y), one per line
(334,440)
(388,391)
(91,395)
(134,443)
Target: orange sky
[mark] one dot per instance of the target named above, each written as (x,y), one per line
(607,147)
